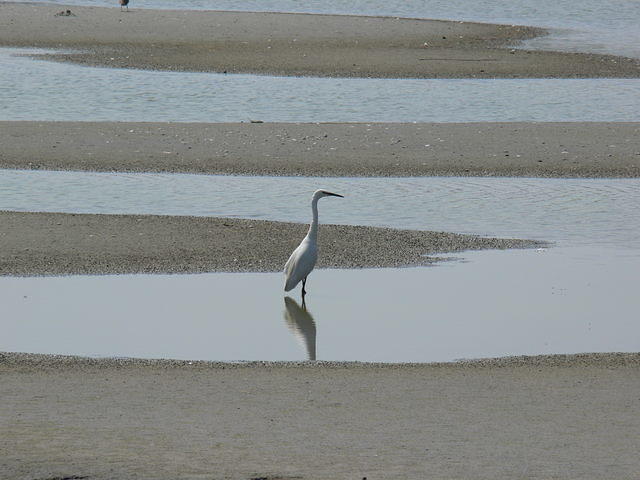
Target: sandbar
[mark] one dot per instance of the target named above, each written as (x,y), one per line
(558,416)
(57,244)
(294,44)
(532,149)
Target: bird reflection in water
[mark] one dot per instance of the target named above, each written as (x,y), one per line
(301,324)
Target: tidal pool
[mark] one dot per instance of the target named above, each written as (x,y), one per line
(491,304)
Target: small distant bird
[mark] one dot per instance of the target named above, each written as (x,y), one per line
(303,258)
(124,3)
(65,13)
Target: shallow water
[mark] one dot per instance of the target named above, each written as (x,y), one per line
(570,211)
(39,90)
(589,25)
(579,296)
(492,304)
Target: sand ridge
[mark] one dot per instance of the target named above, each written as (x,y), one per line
(536,149)
(294,44)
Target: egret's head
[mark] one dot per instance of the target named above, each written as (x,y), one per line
(323,193)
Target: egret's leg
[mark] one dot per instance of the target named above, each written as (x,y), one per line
(304,292)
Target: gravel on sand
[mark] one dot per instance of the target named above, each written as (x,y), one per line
(587,149)
(56,243)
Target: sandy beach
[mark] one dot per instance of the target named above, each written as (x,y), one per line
(58,244)
(561,417)
(588,149)
(294,44)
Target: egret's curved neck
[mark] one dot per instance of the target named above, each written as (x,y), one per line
(313,228)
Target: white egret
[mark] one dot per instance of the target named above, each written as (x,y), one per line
(303,258)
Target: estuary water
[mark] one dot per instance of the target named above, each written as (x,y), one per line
(39,90)
(592,212)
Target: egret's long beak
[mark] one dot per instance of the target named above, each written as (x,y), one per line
(334,194)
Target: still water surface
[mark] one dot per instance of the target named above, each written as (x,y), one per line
(39,90)
(571,211)
(496,303)
(609,26)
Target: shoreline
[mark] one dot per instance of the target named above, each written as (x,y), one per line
(293,44)
(20,360)
(510,149)
(43,244)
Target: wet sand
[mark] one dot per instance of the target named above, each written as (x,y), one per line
(588,149)
(58,244)
(294,44)
(561,417)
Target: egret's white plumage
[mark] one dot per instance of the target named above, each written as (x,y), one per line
(303,258)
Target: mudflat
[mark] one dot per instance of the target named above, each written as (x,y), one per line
(582,149)
(563,416)
(293,44)
(57,244)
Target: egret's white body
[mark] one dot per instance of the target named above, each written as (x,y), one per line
(304,257)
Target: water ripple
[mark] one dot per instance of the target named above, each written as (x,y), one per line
(39,90)
(572,211)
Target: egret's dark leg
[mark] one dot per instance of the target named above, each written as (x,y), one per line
(304,292)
